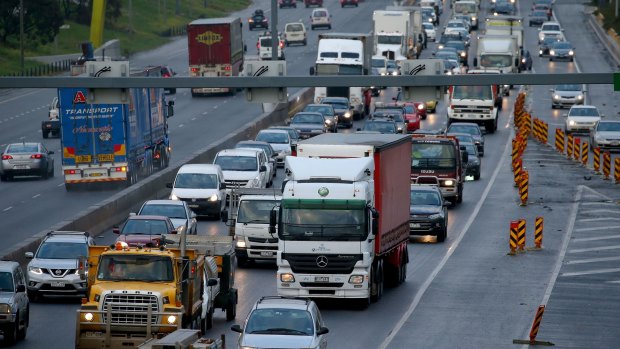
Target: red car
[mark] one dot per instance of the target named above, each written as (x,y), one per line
(318,3)
(412,116)
(344,3)
(143,230)
(421,108)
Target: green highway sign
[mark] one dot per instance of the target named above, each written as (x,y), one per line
(617,81)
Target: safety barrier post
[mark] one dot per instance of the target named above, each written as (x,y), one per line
(577,148)
(606,165)
(523,187)
(584,153)
(514,229)
(569,146)
(536,129)
(538,232)
(559,140)
(517,171)
(523,141)
(515,152)
(534,330)
(545,132)
(597,159)
(617,170)
(521,236)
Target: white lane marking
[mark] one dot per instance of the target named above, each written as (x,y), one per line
(598,219)
(597,238)
(8,208)
(546,160)
(17,97)
(193,119)
(601,211)
(36,196)
(598,228)
(600,203)
(205,112)
(444,260)
(613,282)
(592,272)
(61,184)
(594,260)
(181,125)
(594,249)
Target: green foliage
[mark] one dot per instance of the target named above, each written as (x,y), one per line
(41,22)
(610,20)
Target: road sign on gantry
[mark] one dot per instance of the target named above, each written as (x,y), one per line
(258,69)
(422,67)
(107,69)
(617,81)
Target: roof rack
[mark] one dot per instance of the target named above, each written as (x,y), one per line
(67,232)
(263,298)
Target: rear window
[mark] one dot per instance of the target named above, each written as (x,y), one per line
(319,14)
(265,42)
(294,28)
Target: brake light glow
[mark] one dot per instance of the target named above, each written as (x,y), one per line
(70,172)
(194,70)
(227,68)
(121,169)
(36,156)
(281,44)
(6,157)
(166,75)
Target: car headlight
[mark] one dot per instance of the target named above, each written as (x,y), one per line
(328,121)
(552,53)
(5,309)
(556,97)
(382,73)
(540,52)
(448,183)
(172,319)
(440,47)
(213,198)
(523,60)
(399,129)
(421,106)
(435,216)
(35,270)
(473,19)
(89,317)
(571,52)
(394,73)
(579,97)
(173,197)
(571,122)
(448,73)
(463,54)
(286,277)
(599,138)
(356,279)
(255,182)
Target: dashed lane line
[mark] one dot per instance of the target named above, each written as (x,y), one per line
(601,211)
(599,203)
(8,208)
(584,220)
(597,238)
(593,260)
(592,272)
(595,249)
(598,228)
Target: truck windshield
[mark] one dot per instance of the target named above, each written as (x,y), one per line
(338,69)
(472,92)
(389,39)
(432,156)
(255,211)
(495,61)
(320,220)
(135,268)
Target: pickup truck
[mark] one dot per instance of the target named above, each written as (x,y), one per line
(52,124)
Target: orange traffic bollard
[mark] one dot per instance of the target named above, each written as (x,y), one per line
(569,146)
(577,148)
(521,235)
(606,164)
(517,171)
(523,187)
(512,241)
(538,232)
(597,159)
(534,330)
(617,170)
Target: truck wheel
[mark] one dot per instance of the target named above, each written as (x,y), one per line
(459,197)
(231,310)
(242,261)
(3,178)
(376,287)
(209,320)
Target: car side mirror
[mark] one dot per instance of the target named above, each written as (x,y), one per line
(322,330)
(236,328)
(116,230)
(192,215)
(29,255)
(20,288)
(445,204)
(262,168)
(169,185)
(174,232)
(212,282)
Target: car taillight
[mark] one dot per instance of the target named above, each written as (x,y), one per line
(36,156)
(166,75)
(194,70)
(70,172)
(281,44)
(6,157)
(121,169)
(227,68)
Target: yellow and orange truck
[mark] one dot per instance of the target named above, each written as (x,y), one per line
(139,293)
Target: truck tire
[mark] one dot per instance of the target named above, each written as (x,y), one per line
(3,178)
(209,320)
(231,310)
(459,197)
(376,287)
(242,261)
(45,133)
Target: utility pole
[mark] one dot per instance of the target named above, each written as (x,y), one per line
(131,16)
(21,35)
(275,43)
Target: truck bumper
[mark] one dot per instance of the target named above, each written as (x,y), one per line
(323,286)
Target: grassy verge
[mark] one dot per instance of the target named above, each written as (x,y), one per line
(148,27)
(608,12)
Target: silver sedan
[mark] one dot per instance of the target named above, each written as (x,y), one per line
(26,159)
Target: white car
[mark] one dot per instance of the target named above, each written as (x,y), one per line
(179,212)
(282,322)
(295,33)
(581,118)
(202,187)
(455,26)
(243,168)
(606,135)
(566,95)
(280,142)
(550,29)
(431,32)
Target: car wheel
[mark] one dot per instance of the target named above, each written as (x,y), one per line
(21,333)
(10,332)
(477,176)
(305,42)
(550,59)
(329,27)
(3,178)
(51,174)
(441,236)
(231,310)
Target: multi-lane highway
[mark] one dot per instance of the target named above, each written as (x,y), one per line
(464,293)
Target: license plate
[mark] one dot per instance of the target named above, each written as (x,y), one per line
(414,225)
(105,157)
(193,206)
(21,167)
(48,126)
(95,174)
(266,253)
(58,284)
(321,278)
(471,116)
(83,158)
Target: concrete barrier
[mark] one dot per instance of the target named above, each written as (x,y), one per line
(97,218)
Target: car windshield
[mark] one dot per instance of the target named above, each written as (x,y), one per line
(319,14)
(472,92)
(562,45)
(273,137)
(308,119)
(255,211)
(288,322)
(447,55)
(62,250)
(266,147)
(196,181)
(409,109)
(462,137)
(432,155)
(455,25)
(380,126)
(551,27)
(608,126)
(428,26)
(265,42)
(336,104)
(539,14)
(171,211)
(145,227)
(464,129)
(395,115)
(459,45)
(22,148)
(135,268)
(237,163)
(549,40)
(6,281)
(593,112)
(319,109)
(425,197)
(291,132)
(568,87)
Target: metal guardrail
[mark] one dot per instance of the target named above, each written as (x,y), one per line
(612,47)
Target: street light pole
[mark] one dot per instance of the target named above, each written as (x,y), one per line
(21,35)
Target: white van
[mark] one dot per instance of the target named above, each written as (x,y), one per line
(243,168)
(295,33)
(264,47)
(320,18)
(202,187)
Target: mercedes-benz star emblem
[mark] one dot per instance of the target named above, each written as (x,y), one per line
(321,261)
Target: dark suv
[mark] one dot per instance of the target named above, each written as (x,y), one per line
(287,3)
(14,305)
(167,72)
(258,20)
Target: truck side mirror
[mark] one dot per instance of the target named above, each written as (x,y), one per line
(82,267)
(311,70)
(262,168)
(212,282)
(223,185)
(273,221)
(516,62)
(169,185)
(465,157)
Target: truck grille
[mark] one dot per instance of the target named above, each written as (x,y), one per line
(263,240)
(312,263)
(236,184)
(130,309)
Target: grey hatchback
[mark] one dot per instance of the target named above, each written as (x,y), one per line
(14,304)
(472,129)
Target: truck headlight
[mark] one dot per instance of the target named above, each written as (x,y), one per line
(5,309)
(462,54)
(241,243)
(35,270)
(523,60)
(356,279)
(89,317)
(448,183)
(213,198)
(286,277)
(540,52)
(172,319)
(173,197)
